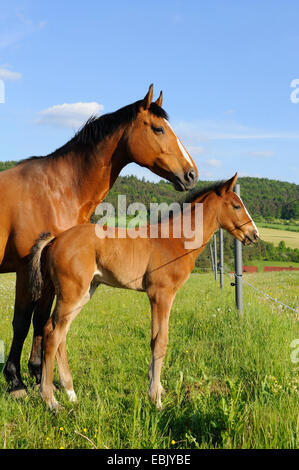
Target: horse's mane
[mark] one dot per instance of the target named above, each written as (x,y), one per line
(98,128)
(198,192)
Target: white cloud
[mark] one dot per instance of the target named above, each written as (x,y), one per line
(9,75)
(214,163)
(71,115)
(195,149)
(262,153)
(194,133)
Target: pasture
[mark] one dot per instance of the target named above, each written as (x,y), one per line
(273,235)
(229,383)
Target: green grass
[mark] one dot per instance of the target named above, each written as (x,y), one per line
(278,226)
(229,383)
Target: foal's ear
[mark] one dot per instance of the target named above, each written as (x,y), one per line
(146,102)
(229,184)
(159,101)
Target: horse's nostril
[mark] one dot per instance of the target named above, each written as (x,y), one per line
(255,235)
(190,175)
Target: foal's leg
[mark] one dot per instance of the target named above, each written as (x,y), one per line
(54,338)
(21,323)
(161,304)
(41,314)
(65,375)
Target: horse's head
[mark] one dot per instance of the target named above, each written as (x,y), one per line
(233,215)
(152,143)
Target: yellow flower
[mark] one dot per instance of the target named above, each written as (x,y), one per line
(47,438)
(61,428)
(173,442)
(61,447)
(85,430)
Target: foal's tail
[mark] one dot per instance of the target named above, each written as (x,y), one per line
(35,273)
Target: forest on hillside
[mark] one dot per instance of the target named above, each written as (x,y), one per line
(265,199)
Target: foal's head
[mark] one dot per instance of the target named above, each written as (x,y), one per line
(233,215)
(152,143)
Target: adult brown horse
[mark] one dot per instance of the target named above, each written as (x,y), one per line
(77,261)
(56,192)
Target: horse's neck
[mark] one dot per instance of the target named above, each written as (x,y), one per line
(207,226)
(92,181)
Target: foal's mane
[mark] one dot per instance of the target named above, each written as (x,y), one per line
(199,192)
(97,129)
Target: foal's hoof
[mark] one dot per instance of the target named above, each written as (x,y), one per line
(19,393)
(72,396)
(54,406)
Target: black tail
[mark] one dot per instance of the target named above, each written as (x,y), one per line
(35,273)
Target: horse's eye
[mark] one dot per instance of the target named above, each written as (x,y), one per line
(158,130)
(237,206)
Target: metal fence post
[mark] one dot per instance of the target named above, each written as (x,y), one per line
(238,268)
(221,256)
(212,256)
(215,256)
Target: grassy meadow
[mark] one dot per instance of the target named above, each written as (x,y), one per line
(229,383)
(274,235)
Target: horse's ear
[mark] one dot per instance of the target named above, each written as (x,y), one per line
(147,100)
(229,184)
(159,101)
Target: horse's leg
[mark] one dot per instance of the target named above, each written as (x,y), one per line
(65,375)
(55,333)
(21,323)
(161,304)
(41,314)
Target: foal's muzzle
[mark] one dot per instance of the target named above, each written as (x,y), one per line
(251,236)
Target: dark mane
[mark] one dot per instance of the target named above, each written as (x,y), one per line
(198,192)
(98,128)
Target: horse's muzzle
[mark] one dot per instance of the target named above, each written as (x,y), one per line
(187,182)
(190,178)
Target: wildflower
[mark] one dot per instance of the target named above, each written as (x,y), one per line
(61,447)
(173,442)
(85,430)
(61,428)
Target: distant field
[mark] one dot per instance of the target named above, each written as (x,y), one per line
(291,228)
(275,236)
(260,264)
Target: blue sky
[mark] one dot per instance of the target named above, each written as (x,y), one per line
(225,68)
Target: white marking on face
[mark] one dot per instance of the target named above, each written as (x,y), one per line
(181,147)
(254,226)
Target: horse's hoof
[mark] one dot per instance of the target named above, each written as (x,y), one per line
(20,393)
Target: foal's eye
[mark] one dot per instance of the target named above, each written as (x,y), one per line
(158,130)
(236,206)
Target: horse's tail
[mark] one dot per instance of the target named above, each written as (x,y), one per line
(35,273)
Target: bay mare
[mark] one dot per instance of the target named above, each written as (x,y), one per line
(77,261)
(56,192)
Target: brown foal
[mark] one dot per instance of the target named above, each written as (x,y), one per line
(61,190)
(77,261)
